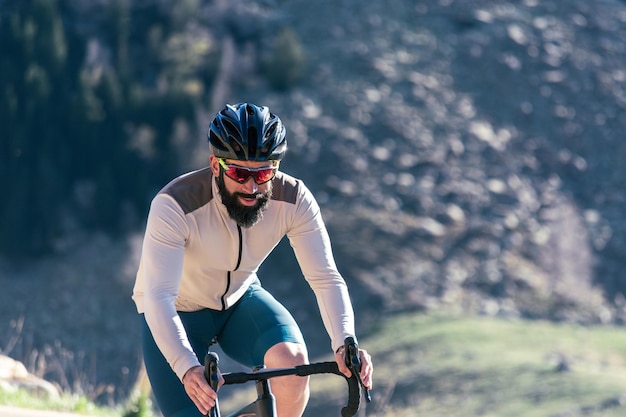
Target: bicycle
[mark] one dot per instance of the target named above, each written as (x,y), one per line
(265,404)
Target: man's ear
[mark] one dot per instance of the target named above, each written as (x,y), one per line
(215,165)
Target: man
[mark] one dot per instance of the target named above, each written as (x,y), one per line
(207,233)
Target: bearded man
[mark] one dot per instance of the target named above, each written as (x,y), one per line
(207,233)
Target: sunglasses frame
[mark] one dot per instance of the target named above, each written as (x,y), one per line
(252,171)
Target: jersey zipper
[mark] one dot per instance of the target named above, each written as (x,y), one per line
(236,268)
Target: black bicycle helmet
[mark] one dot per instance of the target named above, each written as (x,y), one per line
(247,132)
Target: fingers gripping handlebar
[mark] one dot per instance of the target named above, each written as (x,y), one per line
(353,361)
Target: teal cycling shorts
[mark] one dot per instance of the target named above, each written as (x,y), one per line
(244,332)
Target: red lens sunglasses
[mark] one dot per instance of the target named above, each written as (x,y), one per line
(241,174)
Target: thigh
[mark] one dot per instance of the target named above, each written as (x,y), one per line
(168,391)
(257,322)
(201,327)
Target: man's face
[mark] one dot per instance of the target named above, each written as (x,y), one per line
(245,202)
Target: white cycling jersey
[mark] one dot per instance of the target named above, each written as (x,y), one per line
(194,256)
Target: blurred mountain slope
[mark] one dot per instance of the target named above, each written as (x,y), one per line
(467,153)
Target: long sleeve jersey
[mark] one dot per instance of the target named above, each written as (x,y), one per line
(194,256)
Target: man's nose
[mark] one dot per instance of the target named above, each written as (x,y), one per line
(250,186)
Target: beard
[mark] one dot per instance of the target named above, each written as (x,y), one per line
(244,216)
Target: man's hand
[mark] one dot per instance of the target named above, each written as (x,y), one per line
(199,390)
(367,368)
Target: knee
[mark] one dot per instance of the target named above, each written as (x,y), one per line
(286,355)
(292,392)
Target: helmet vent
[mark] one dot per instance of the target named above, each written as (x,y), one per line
(252,142)
(271,130)
(235,146)
(215,141)
(231,128)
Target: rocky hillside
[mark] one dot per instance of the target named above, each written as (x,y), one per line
(469,149)
(466,154)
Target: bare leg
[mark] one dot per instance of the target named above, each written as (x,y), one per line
(291,392)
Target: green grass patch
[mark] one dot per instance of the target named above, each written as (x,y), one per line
(137,406)
(66,402)
(432,365)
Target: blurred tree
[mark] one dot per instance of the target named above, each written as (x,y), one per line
(84,143)
(285,65)
(33,82)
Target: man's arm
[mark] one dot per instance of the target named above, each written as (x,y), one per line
(311,244)
(162,259)
(309,238)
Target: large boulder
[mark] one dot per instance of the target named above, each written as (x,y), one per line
(14,376)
